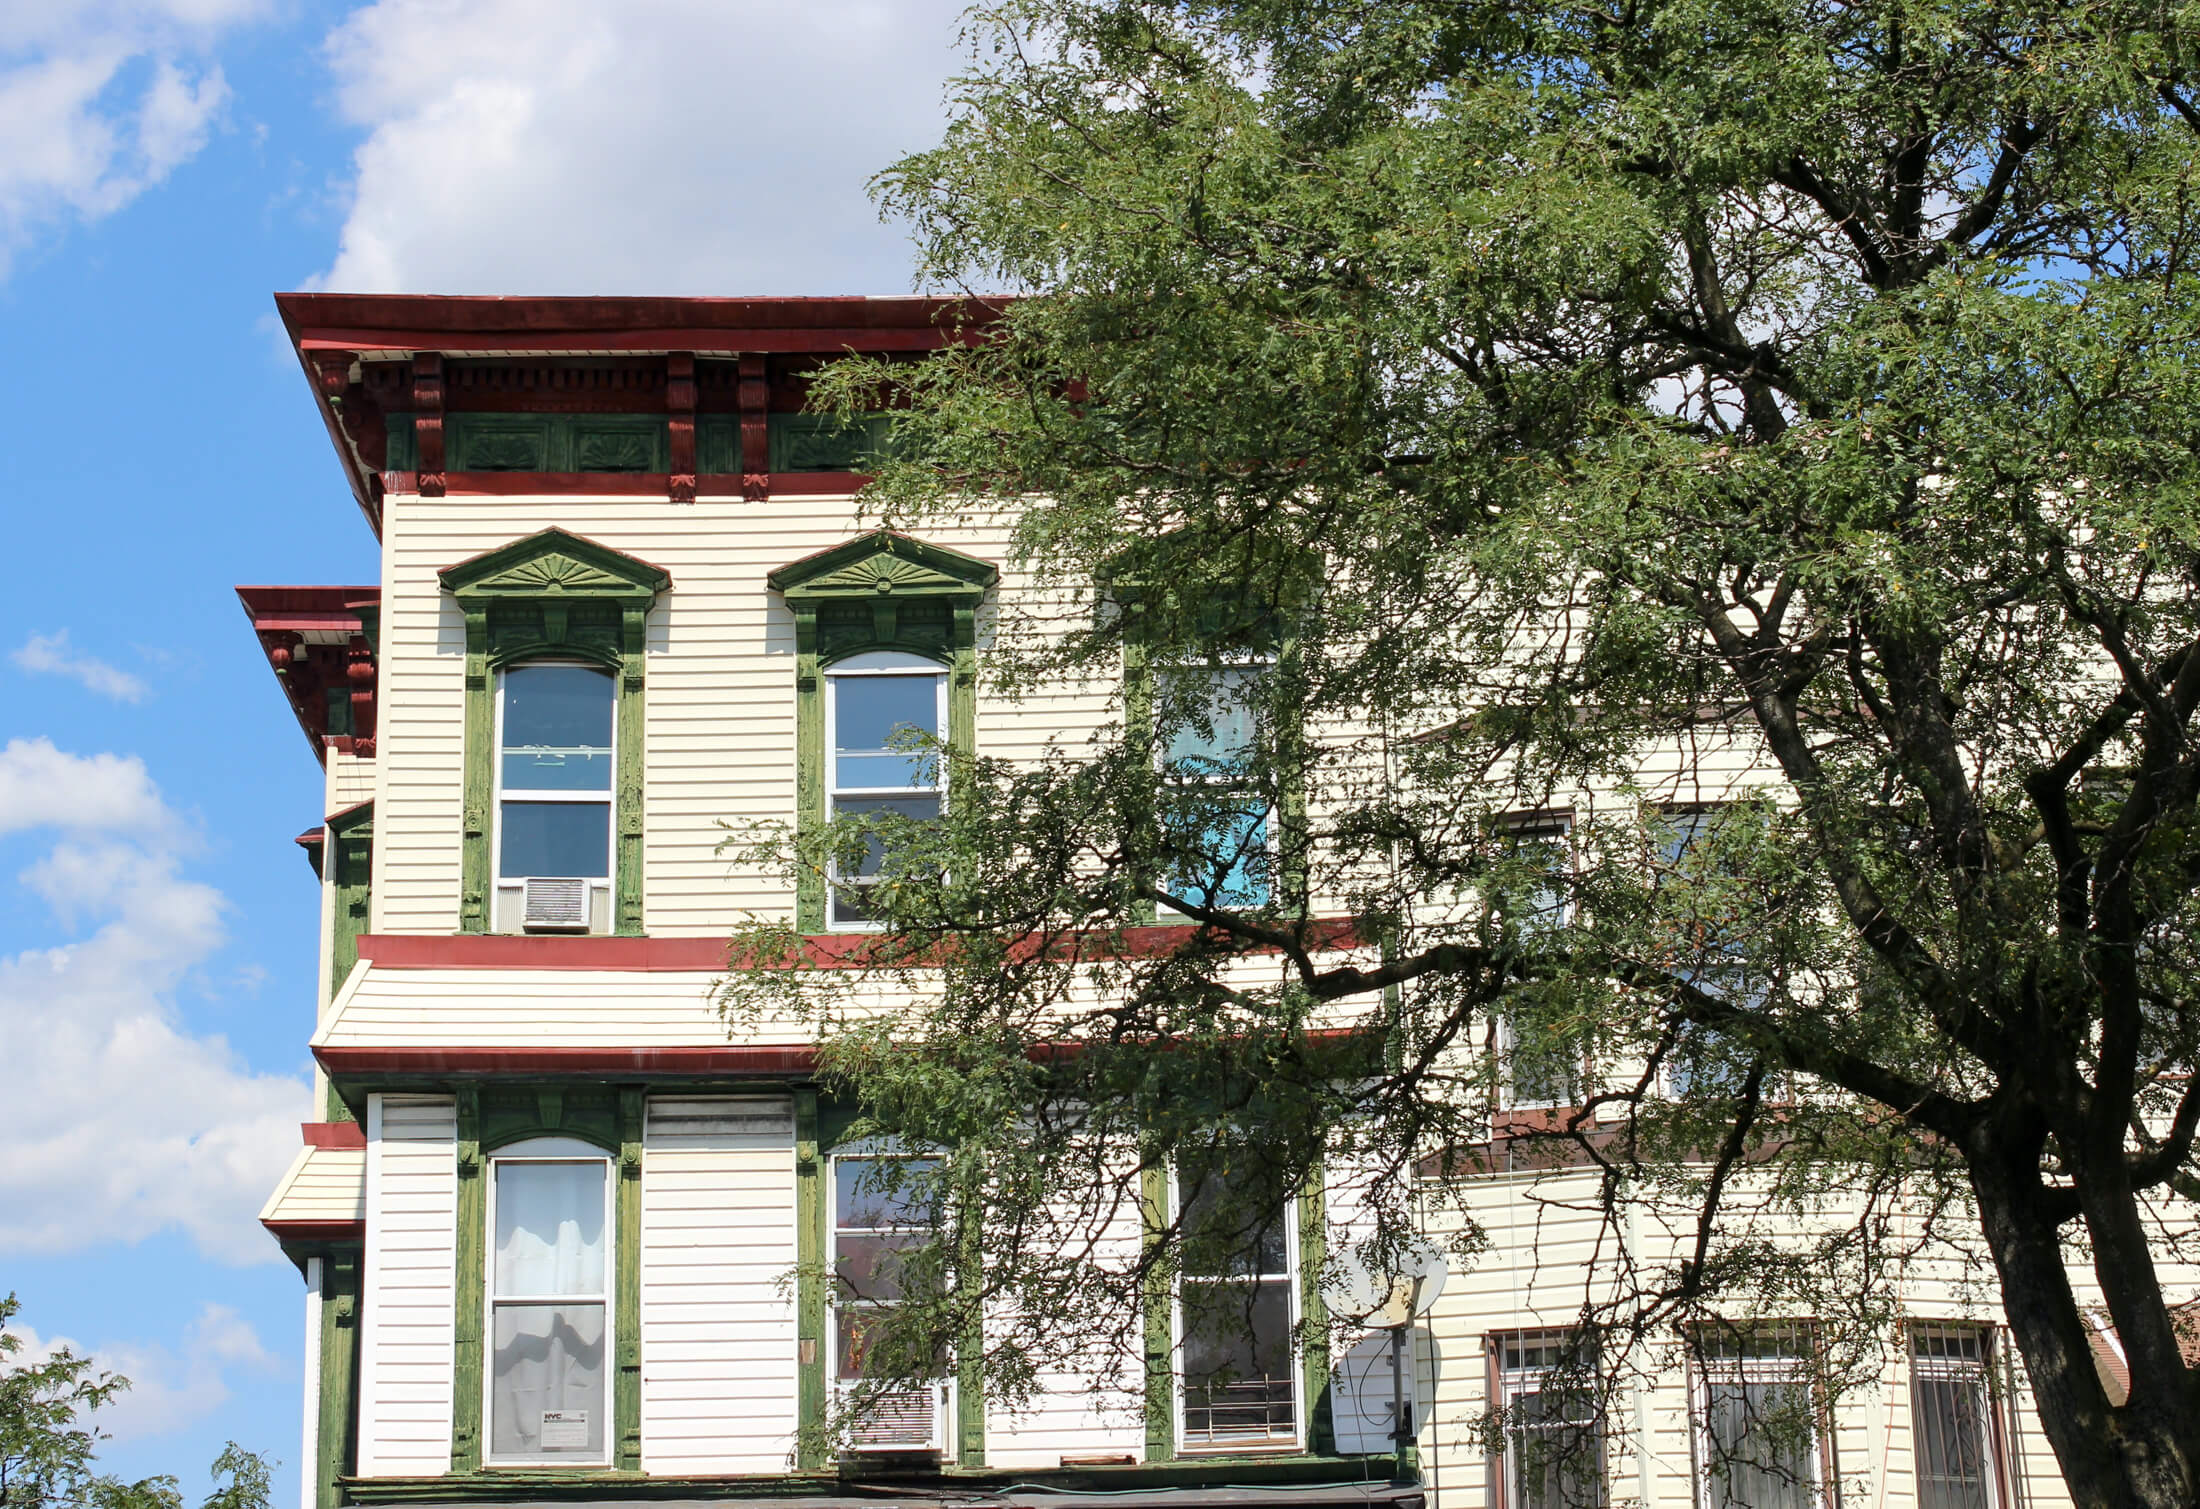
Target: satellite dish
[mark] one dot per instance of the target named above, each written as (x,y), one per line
(1358,1293)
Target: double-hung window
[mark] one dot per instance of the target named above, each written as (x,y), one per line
(1217,823)
(885,715)
(1710,955)
(1237,1306)
(554,798)
(1538,1072)
(549,1303)
(1952,1417)
(878,1218)
(1757,1428)
(1553,1436)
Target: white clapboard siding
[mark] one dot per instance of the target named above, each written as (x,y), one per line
(718,1311)
(322,1184)
(382,1007)
(405,1371)
(1068,1417)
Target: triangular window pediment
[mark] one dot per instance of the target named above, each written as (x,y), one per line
(555,563)
(885,564)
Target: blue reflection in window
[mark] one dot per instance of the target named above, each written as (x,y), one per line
(557,729)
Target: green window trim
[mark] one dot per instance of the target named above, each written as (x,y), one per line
(336,1434)
(1157,1209)
(558,595)
(880,591)
(489,1118)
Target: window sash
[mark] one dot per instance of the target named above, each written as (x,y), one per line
(1741,1381)
(1524,1367)
(1264,1410)
(506,794)
(849,1309)
(1952,1418)
(844,904)
(577,1306)
(1240,816)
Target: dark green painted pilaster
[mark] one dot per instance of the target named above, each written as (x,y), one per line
(351,878)
(809,763)
(337,1434)
(626,1398)
(809,1301)
(470,1279)
(970,1354)
(480,761)
(1321,1435)
(626,870)
(1160,1325)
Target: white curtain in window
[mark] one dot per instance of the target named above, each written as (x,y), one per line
(550,1236)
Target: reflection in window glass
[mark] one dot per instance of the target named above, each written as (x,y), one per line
(877,1217)
(882,761)
(548,1294)
(554,759)
(1216,822)
(1237,1304)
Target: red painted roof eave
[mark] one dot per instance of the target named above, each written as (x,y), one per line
(552,320)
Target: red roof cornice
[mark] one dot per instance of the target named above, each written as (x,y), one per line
(313,670)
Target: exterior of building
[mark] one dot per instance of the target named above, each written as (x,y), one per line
(563,1235)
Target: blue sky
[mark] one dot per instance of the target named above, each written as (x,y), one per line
(171,163)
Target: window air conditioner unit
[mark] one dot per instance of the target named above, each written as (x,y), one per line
(901,1420)
(554,905)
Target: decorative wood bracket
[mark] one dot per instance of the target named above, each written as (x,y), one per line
(427,396)
(754,397)
(680,405)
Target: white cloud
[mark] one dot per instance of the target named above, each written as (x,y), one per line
(656,146)
(99,101)
(169,1387)
(118,1120)
(52,655)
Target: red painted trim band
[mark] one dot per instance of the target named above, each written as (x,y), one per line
(334,1134)
(729,1060)
(625,484)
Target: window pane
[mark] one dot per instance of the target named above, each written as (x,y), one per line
(868,1264)
(1556,1461)
(557,728)
(1760,1441)
(555,838)
(546,1381)
(1224,1237)
(871,713)
(1237,1360)
(549,1228)
(1224,850)
(1541,1068)
(918,808)
(1209,715)
(1949,1417)
(859,1201)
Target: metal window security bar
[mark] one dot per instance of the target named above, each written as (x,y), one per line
(1216,821)
(880,710)
(549,1304)
(1553,1436)
(1757,1429)
(555,738)
(1237,1303)
(876,1221)
(1952,1419)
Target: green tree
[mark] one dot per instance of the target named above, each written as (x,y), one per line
(1562,397)
(47,1448)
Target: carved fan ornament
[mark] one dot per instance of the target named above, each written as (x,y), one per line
(883,573)
(552,573)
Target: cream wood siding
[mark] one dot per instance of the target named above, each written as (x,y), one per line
(535,1008)
(406,1362)
(1074,1415)
(322,1184)
(350,781)
(1549,1252)
(718,1258)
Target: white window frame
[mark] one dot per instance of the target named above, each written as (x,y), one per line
(875,663)
(599,887)
(1794,1367)
(941,1389)
(1181,1386)
(1536,827)
(1271,816)
(1992,1423)
(1515,1382)
(569,1150)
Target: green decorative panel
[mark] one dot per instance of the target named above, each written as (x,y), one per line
(498,443)
(469,1283)
(476,442)
(351,873)
(922,626)
(809,1282)
(826,443)
(1160,1329)
(1321,1434)
(514,1113)
(718,444)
